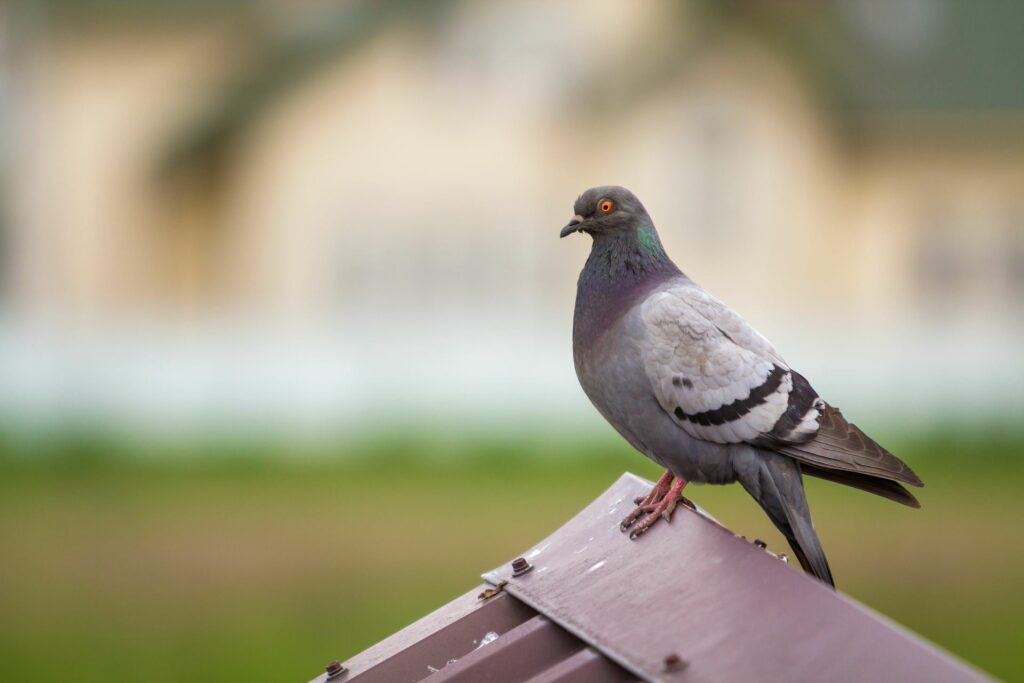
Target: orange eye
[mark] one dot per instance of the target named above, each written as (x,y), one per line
(605,206)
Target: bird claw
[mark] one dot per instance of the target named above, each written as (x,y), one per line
(645,503)
(650,509)
(631,518)
(644,525)
(640,511)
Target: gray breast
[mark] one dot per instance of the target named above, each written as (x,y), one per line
(611,371)
(612,376)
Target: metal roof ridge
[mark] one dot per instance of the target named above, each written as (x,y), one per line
(631,600)
(688,602)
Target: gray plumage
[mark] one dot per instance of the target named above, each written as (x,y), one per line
(691,385)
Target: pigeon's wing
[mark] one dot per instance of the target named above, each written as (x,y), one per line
(841,445)
(722,381)
(717,377)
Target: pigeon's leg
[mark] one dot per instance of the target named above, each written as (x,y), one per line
(645,504)
(663,509)
(657,491)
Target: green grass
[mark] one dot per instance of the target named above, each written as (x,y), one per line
(229,561)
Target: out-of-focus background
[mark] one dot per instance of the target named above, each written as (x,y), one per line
(285,322)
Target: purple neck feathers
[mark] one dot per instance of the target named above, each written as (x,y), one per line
(620,271)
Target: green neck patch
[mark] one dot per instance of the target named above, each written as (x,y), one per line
(648,239)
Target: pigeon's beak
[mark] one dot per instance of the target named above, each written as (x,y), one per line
(572,226)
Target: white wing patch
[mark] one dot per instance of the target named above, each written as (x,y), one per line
(715,375)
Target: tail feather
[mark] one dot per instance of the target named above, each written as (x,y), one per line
(880,487)
(778,487)
(841,445)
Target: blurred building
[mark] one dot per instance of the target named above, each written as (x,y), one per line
(313,212)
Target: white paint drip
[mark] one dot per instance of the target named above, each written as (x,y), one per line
(434,670)
(489,637)
(537,551)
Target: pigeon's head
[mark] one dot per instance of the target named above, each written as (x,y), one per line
(606,210)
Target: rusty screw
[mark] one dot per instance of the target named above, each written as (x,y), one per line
(520,566)
(334,669)
(674,662)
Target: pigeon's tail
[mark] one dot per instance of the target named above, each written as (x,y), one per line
(777,485)
(880,487)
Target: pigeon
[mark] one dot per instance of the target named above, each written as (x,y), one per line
(691,385)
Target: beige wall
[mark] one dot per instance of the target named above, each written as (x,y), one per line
(385,178)
(364,185)
(961,202)
(93,232)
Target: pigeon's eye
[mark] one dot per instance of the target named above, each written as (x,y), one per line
(605,206)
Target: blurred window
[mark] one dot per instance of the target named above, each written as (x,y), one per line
(943,252)
(721,179)
(1013,255)
(972,259)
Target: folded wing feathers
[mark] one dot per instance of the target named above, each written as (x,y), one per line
(799,422)
(842,446)
(724,382)
(716,388)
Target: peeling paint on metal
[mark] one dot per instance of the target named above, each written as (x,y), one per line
(536,551)
(489,637)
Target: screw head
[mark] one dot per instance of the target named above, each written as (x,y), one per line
(334,669)
(520,566)
(674,662)
(760,544)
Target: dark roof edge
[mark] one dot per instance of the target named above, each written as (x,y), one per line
(694,578)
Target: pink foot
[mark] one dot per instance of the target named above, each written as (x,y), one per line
(657,491)
(660,503)
(645,503)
